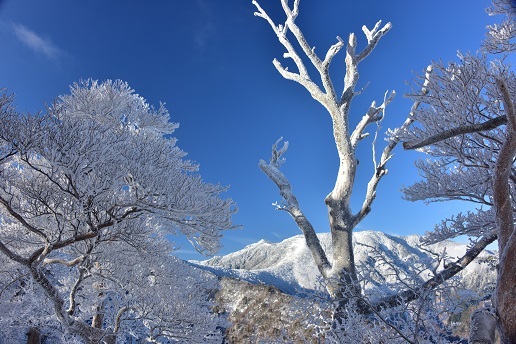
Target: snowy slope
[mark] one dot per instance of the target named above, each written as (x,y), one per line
(289,266)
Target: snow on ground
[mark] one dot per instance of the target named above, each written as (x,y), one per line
(289,266)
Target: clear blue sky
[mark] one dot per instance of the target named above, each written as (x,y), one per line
(210,62)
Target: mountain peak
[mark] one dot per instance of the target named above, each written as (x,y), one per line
(289,266)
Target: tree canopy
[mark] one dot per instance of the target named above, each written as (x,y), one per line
(89,191)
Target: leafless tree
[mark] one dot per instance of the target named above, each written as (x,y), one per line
(340,272)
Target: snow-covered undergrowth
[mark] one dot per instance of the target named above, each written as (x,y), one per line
(273,292)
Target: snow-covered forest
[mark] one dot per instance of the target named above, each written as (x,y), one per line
(94,188)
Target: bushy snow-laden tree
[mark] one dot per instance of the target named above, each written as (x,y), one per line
(139,296)
(467,122)
(88,191)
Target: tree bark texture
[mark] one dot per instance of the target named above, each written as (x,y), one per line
(33,336)
(483,327)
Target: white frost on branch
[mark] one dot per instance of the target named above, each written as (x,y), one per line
(94,183)
(500,38)
(460,122)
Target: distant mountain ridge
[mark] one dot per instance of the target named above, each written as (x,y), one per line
(289,266)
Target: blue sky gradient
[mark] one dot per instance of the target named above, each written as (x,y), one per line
(210,62)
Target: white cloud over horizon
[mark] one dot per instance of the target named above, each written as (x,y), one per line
(36,42)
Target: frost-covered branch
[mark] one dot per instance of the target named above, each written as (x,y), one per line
(449,133)
(292,207)
(21,219)
(352,60)
(72,300)
(118,318)
(373,37)
(473,224)
(461,100)
(64,262)
(62,244)
(381,169)
(377,312)
(441,180)
(454,268)
(12,255)
(11,282)
(281,32)
(500,37)
(373,115)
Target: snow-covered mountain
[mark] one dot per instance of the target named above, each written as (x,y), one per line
(288,265)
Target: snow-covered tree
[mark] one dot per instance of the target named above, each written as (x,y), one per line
(89,190)
(467,122)
(340,274)
(339,271)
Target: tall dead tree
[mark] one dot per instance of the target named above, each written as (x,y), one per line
(340,274)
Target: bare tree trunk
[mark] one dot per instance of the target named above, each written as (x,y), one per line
(344,261)
(505,293)
(98,318)
(341,275)
(343,284)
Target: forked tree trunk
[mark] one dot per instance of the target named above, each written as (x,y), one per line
(340,275)
(89,334)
